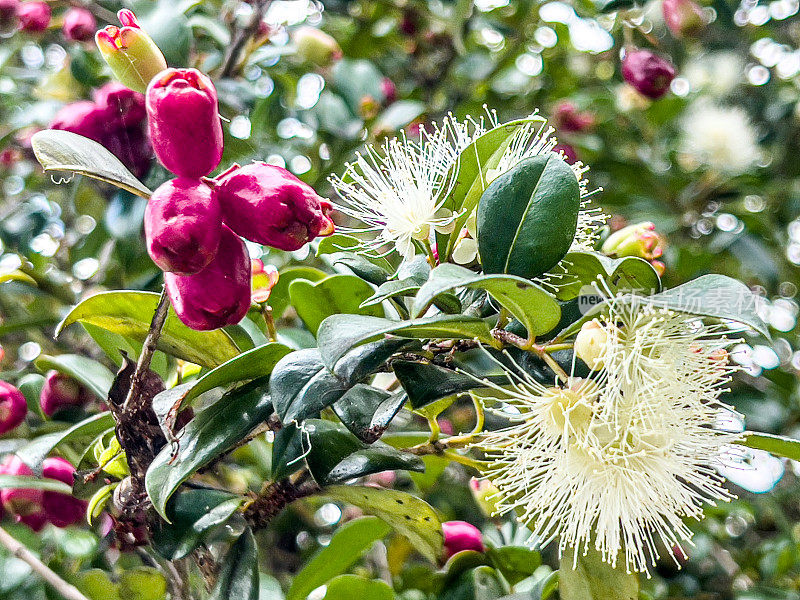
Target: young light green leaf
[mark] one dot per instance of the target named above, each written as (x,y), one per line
(66,151)
(774,444)
(594,579)
(129,313)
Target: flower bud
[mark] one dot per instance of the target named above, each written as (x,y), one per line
(648,73)
(567,151)
(460,536)
(316,46)
(8,13)
(218,295)
(268,205)
(184,122)
(683,17)
(61,391)
(123,106)
(182,226)
(389,90)
(84,118)
(33,16)
(132,55)
(590,344)
(60,509)
(264,279)
(20,502)
(13,407)
(566,117)
(640,239)
(485,494)
(79,24)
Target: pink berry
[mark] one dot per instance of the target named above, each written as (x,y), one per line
(61,391)
(60,509)
(33,16)
(13,407)
(648,73)
(460,536)
(79,24)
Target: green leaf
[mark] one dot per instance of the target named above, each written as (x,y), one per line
(238,576)
(34,453)
(95,376)
(66,151)
(537,310)
(339,333)
(129,313)
(480,583)
(406,514)
(252,364)
(11,482)
(334,455)
(142,583)
(347,587)
(337,294)
(474,163)
(390,289)
(629,273)
(279,296)
(193,513)
(362,267)
(527,217)
(774,444)
(514,562)
(715,296)
(593,579)
(367,411)
(213,432)
(350,541)
(17,275)
(355,79)
(425,383)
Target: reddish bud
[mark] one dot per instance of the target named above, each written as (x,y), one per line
(84,118)
(184,122)
(639,239)
(389,90)
(268,205)
(122,105)
(683,17)
(13,407)
(567,118)
(33,16)
(61,391)
(218,295)
(648,73)
(20,502)
(567,151)
(182,225)
(60,509)
(460,536)
(8,12)
(79,24)
(264,279)
(132,146)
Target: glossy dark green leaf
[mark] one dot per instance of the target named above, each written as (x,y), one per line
(594,579)
(514,562)
(391,289)
(480,583)
(193,513)
(406,514)
(367,411)
(361,266)
(130,313)
(425,383)
(214,431)
(339,333)
(95,376)
(537,310)
(629,273)
(341,242)
(337,294)
(238,576)
(66,151)
(527,217)
(34,453)
(347,545)
(474,164)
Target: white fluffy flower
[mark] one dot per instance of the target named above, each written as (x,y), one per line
(398,190)
(723,138)
(618,461)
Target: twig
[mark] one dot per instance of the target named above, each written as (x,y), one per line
(241,36)
(148,348)
(68,591)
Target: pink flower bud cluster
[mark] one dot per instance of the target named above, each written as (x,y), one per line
(34,16)
(193,224)
(35,508)
(115,118)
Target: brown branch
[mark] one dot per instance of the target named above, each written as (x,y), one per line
(149,347)
(241,36)
(273,499)
(68,591)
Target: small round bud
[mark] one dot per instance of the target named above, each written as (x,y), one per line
(640,239)
(566,117)
(683,17)
(61,391)
(590,344)
(123,106)
(460,536)
(316,46)
(648,73)
(79,24)
(60,509)
(20,502)
(13,407)
(484,491)
(182,226)
(34,17)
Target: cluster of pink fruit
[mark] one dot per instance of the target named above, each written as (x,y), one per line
(116,119)
(193,223)
(34,16)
